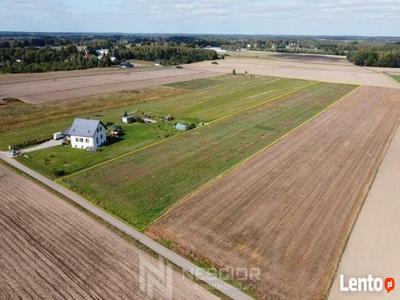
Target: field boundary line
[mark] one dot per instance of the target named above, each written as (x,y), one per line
(242,162)
(188,131)
(390,76)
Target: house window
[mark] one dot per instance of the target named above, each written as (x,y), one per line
(81,140)
(76,140)
(101,136)
(87,140)
(97,140)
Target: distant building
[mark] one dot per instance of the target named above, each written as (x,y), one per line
(126,65)
(219,50)
(86,133)
(102,52)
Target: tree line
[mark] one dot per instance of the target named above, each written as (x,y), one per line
(44,59)
(166,55)
(375,57)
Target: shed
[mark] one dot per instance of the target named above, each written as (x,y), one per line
(128,119)
(182,126)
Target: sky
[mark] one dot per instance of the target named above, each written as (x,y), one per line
(295,17)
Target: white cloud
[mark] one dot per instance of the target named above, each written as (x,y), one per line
(367,17)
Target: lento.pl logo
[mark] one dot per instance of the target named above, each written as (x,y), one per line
(366,284)
(155,279)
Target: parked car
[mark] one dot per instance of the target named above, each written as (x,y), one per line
(14,153)
(214,63)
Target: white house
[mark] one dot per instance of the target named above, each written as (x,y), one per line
(87,133)
(102,52)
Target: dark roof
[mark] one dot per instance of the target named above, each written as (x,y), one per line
(83,127)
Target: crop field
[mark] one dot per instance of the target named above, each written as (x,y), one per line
(290,209)
(50,87)
(198,101)
(50,249)
(139,187)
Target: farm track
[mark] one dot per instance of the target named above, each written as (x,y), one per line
(290,210)
(48,249)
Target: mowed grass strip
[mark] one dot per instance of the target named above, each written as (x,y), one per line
(226,95)
(396,77)
(138,188)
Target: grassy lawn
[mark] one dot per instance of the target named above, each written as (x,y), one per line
(396,77)
(139,187)
(196,101)
(22,122)
(48,161)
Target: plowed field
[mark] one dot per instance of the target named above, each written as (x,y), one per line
(51,250)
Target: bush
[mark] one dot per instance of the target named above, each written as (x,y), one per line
(59,173)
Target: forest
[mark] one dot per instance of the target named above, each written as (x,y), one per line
(31,55)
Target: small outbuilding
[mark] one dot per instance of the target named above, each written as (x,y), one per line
(128,119)
(182,126)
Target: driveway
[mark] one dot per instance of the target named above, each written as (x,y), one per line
(48,144)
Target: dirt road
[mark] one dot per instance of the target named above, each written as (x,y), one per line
(49,87)
(289,210)
(302,67)
(374,244)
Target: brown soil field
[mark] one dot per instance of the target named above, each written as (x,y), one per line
(322,68)
(374,244)
(290,209)
(56,86)
(51,250)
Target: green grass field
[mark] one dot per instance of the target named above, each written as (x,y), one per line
(22,122)
(396,77)
(139,187)
(195,101)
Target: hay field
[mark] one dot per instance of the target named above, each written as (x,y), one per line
(289,210)
(49,249)
(139,187)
